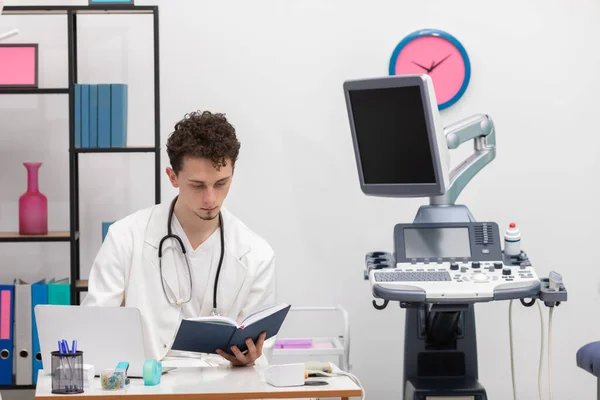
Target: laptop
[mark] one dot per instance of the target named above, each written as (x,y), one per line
(106,335)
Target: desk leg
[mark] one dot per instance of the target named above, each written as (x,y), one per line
(345,398)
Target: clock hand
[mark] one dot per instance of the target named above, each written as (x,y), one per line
(425,68)
(441,61)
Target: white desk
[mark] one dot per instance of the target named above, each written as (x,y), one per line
(190,383)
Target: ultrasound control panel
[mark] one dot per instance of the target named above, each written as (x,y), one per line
(449,262)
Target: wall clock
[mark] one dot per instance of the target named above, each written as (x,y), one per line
(438,54)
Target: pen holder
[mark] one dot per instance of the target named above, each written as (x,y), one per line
(67,372)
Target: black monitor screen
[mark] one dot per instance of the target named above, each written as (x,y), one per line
(392,136)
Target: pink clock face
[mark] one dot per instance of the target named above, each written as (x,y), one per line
(438,58)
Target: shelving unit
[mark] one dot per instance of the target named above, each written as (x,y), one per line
(72,236)
(77,285)
(338,347)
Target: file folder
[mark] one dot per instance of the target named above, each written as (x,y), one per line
(39,295)
(22,350)
(93,114)
(59,293)
(6,334)
(85,115)
(118,115)
(77,116)
(104,115)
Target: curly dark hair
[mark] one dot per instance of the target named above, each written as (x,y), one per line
(203,134)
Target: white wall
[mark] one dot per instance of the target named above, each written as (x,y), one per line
(277,68)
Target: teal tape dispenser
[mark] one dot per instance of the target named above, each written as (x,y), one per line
(124,366)
(152,372)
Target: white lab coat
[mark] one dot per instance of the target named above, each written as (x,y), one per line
(126,273)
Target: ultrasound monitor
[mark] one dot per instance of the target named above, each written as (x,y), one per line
(399,141)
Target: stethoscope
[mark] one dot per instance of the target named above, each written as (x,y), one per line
(170,234)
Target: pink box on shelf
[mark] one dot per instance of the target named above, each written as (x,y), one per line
(293,344)
(18,65)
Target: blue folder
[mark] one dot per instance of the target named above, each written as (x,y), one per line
(208,336)
(104,115)
(77,115)
(105,226)
(39,295)
(7,300)
(85,115)
(118,115)
(93,115)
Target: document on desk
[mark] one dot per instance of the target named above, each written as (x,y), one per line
(207,334)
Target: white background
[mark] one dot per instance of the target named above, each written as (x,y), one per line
(276,69)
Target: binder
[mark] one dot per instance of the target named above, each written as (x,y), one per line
(93,114)
(39,295)
(77,116)
(6,333)
(105,226)
(118,115)
(22,334)
(85,115)
(59,293)
(104,115)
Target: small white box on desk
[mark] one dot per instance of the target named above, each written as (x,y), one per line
(88,375)
(286,375)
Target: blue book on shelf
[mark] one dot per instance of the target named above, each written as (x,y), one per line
(85,116)
(94,116)
(77,116)
(104,115)
(105,226)
(118,115)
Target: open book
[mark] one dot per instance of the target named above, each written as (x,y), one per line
(207,334)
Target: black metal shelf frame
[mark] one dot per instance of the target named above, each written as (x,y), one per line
(72,13)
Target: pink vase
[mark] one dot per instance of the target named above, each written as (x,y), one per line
(33,205)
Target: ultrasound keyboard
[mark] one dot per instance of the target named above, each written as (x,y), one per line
(473,282)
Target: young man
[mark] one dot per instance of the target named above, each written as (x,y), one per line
(140,265)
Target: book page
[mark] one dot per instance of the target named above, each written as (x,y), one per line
(216,319)
(260,314)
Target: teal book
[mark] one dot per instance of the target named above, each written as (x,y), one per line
(118,115)
(93,116)
(85,116)
(77,115)
(105,226)
(104,115)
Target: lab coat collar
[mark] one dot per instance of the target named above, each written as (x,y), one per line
(157,229)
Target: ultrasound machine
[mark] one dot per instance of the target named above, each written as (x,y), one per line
(444,261)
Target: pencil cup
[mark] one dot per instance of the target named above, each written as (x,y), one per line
(67,372)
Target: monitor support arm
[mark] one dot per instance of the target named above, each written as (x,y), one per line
(480,128)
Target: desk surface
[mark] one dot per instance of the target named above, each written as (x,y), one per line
(208,383)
